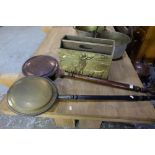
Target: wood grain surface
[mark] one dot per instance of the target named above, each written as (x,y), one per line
(92,112)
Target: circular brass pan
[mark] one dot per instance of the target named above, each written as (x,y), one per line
(41,65)
(31,95)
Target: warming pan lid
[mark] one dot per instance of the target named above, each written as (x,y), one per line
(31,95)
(41,65)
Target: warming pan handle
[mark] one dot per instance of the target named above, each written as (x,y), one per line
(107,97)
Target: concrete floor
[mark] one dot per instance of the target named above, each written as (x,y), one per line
(23,122)
(17,44)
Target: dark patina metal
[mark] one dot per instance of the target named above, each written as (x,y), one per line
(41,65)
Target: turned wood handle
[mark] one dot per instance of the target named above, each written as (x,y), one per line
(107,82)
(107,97)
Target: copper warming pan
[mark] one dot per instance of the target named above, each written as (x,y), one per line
(47,66)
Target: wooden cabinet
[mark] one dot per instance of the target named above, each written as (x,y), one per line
(147,49)
(145,35)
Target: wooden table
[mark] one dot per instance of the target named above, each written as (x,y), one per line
(91,114)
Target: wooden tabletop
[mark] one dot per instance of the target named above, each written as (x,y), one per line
(89,113)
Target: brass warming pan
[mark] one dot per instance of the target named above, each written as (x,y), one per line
(33,95)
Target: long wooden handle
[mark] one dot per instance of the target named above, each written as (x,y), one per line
(107,97)
(107,82)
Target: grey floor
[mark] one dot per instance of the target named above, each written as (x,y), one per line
(23,122)
(17,44)
(3,90)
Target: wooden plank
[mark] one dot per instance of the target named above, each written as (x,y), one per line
(65,123)
(89,124)
(46,29)
(121,71)
(90,117)
(8,79)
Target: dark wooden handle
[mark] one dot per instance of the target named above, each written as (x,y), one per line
(107,97)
